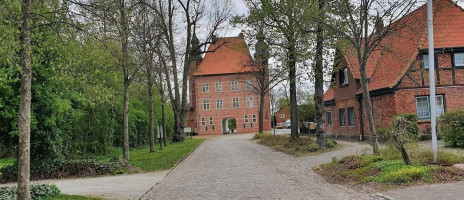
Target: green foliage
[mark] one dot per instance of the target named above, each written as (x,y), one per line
(331,143)
(395,171)
(232,124)
(38,191)
(259,136)
(7,161)
(412,129)
(312,147)
(70,197)
(452,128)
(307,112)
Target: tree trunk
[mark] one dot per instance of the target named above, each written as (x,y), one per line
(319,82)
(260,113)
(150,110)
(368,110)
(294,136)
(125,148)
(125,65)
(24,113)
(163,121)
(405,155)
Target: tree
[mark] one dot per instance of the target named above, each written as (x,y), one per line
(24,116)
(363,31)
(286,21)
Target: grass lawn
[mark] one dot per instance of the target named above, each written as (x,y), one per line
(388,169)
(306,146)
(6,161)
(70,197)
(160,159)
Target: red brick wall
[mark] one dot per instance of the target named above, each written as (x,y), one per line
(286,112)
(228,111)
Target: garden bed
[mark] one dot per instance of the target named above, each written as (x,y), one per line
(304,147)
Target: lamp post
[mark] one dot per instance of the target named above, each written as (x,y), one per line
(433,109)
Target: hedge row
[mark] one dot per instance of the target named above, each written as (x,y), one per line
(37,192)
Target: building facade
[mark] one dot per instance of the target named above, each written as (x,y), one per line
(223,87)
(399,76)
(283,114)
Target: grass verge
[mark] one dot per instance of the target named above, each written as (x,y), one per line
(304,147)
(389,170)
(71,197)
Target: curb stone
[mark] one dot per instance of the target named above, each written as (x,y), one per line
(384,196)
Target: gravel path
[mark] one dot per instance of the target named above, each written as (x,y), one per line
(233,167)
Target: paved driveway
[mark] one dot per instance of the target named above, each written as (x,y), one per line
(233,167)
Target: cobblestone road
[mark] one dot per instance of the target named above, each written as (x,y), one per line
(233,167)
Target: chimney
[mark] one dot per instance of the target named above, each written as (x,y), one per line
(241,36)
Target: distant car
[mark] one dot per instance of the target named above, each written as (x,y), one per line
(288,124)
(280,125)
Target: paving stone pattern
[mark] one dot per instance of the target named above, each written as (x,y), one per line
(233,167)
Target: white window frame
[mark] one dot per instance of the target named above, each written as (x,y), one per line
(234,85)
(250,103)
(282,116)
(249,85)
(425,61)
(340,117)
(203,121)
(461,54)
(235,102)
(219,104)
(327,118)
(440,108)
(206,104)
(219,87)
(246,120)
(211,121)
(253,118)
(345,76)
(205,88)
(349,117)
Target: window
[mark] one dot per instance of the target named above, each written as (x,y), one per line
(282,115)
(204,87)
(425,61)
(351,118)
(343,75)
(234,85)
(236,102)
(246,118)
(459,59)
(210,120)
(203,122)
(248,85)
(341,113)
(329,118)
(250,102)
(253,119)
(218,104)
(206,104)
(219,87)
(423,106)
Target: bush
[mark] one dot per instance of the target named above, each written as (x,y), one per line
(259,136)
(37,191)
(412,129)
(452,128)
(331,143)
(48,169)
(312,147)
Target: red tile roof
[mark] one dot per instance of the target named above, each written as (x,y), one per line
(386,66)
(226,56)
(329,94)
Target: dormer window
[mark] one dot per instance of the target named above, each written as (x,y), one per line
(459,59)
(425,61)
(343,76)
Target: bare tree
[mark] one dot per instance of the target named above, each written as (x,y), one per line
(361,25)
(24,113)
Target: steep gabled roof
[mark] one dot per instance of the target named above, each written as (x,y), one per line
(329,94)
(226,56)
(386,66)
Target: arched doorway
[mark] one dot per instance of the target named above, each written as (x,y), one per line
(229,125)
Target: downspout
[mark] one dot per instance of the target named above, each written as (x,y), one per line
(361,136)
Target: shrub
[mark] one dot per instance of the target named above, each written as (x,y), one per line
(312,147)
(259,136)
(37,191)
(47,169)
(395,171)
(452,128)
(331,143)
(412,129)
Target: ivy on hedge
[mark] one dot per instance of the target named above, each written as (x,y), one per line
(452,128)
(37,191)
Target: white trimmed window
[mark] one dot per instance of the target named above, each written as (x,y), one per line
(219,87)
(351,117)
(343,76)
(423,106)
(329,118)
(205,87)
(206,104)
(203,121)
(234,85)
(459,59)
(425,61)
(236,102)
(246,119)
(210,120)
(250,102)
(341,115)
(282,116)
(253,118)
(218,104)
(248,85)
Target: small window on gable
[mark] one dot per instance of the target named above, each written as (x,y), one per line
(425,61)
(282,115)
(343,75)
(459,59)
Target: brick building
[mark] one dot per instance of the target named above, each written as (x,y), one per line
(398,77)
(283,114)
(221,89)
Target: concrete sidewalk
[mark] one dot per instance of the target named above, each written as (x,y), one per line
(444,191)
(132,186)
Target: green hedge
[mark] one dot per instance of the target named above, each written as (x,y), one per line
(37,191)
(48,169)
(452,128)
